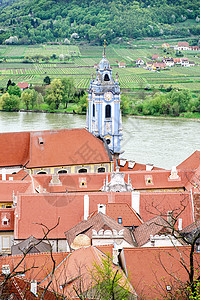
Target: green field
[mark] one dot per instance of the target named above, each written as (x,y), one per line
(81,60)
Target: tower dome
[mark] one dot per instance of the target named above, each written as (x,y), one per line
(104,64)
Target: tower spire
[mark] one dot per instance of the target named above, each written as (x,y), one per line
(104,49)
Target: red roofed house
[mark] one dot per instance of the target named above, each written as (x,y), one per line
(122,64)
(194,48)
(159,66)
(23,85)
(6,230)
(182,46)
(165,45)
(139,62)
(158,272)
(54,151)
(155,57)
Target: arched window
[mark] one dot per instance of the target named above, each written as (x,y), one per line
(42,172)
(108,111)
(83,170)
(62,171)
(106,77)
(101,170)
(93,110)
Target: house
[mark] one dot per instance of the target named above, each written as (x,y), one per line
(54,152)
(177,60)
(168,61)
(96,66)
(184,62)
(23,85)
(149,65)
(165,45)
(155,57)
(101,230)
(182,46)
(159,66)
(6,230)
(122,65)
(139,62)
(191,63)
(194,48)
(157,272)
(155,232)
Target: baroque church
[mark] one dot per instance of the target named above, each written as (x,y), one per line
(104,115)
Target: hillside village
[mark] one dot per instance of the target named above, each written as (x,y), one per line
(69,202)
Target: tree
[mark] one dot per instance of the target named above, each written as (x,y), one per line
(54,95)
(14,90)
(27,98)
(10,102)
(68,90)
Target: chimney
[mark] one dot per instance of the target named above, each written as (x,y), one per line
(149,167)
(3,172)
(102,208)
(115,256)
(6,269)
(180,221)
(86,207)
(34,287)
(135,201)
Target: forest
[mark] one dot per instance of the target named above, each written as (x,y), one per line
(41,21)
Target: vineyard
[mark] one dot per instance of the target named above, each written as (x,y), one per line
(80,66)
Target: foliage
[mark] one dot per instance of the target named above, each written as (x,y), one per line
(14,90)
(9,102)
(55,93)
(82,105)
(68,90)
(47,80)
(29,97)
(109,281)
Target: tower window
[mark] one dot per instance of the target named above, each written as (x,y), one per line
(108,141)
(93,112)
(108,111)
(83,170)
(106,77)
(101,170)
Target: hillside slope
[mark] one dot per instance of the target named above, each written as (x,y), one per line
(40,21)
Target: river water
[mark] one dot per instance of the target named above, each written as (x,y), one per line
(164,143)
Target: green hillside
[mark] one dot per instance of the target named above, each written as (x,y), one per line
(41,21)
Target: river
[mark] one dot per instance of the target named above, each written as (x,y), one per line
(163,142)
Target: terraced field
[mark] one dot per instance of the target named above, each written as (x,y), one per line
(81,66)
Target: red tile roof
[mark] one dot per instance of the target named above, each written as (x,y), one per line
(14,148)
(150,269)
(23,85)
(8,187)
(136,166)
(190,163)
(52,148)
(125,211)
(183,44)
(7,213)
(155,56)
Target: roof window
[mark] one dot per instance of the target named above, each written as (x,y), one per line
(119,220)
(40,140)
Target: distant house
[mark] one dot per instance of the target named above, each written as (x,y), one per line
(184,62)
(23,85)
(155,57)
(182,46)
(149,65)
(159,66)
(122,65)
(168,61)
(96,66)
(191,63)
(177,60)
(139,62)
(194,48)
(165,45)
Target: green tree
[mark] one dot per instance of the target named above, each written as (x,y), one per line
(68,90)
(54,94)
(10,102)
(14,90)
(82,105)
(26,98)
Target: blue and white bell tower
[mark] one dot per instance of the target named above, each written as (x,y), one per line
(103,114)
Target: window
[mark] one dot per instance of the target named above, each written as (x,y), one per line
(101,170)
(108,111)
(83,170)
(108,141)
(106,77)
(62,171)
(93,110)
(42,172)
(5,221)
(8,206)
(120,220)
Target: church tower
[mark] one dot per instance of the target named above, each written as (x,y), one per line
(103,114)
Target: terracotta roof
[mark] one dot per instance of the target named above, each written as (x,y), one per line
(23,85)
(19,288)
(133,166)
(152,227)
(78,266)
(183,44)
(155,56)
(42,263)
(150,269)
(7,214)
(125,211)
(66,147)
(8,187)
(14,148)
(98,222)
(190,163)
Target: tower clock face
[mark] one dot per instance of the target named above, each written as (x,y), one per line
(108,96)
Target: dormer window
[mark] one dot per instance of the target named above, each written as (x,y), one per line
(40,140)
(120,220)
(106,77)
(5,221)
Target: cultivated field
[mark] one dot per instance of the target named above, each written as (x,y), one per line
(81,60)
